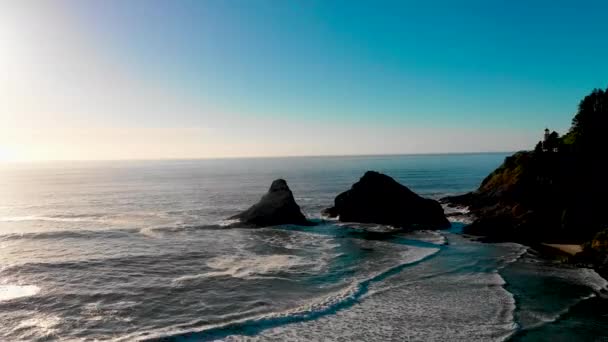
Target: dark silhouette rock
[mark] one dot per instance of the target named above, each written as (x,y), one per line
(377,198)
(276,207)
(538,197)
(595,253)
(555,193)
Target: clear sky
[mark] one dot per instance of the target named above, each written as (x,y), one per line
(151,79)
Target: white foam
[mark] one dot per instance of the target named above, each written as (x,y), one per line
(249,267)
(466,219)
(458,214)
(543,318)
(534,317)
(369,227)
(306,308)
(302,240)
(459,307)
(243,267)
(412,255)
(456,210)
(510,304)
(517,251)
(594,280)
(228,222)
(100,311)
(151,232)
(431,236)
(8,292)
(42,325)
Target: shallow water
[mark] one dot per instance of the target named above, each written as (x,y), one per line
(138,250)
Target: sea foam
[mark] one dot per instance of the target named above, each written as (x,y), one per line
(320,307)
(248,267)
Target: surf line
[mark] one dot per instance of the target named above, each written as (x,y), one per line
(253,326)
(345,231)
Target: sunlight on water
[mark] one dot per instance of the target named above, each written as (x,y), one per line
(8,292)
(135,250)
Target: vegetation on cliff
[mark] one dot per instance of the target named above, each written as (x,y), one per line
(557,192)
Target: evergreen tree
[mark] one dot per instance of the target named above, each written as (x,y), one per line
(590,123)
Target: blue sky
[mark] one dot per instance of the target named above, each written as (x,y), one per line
(164,79)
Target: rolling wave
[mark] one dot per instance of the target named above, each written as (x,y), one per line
(324,306)
(251,267)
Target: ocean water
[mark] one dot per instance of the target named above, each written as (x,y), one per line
(139,250)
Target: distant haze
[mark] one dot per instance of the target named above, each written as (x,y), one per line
(194,79)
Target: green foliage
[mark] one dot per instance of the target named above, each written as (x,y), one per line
(508,174)
(547,195)
(552,142)
(569,138)
(590,123)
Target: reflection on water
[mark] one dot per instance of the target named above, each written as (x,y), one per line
(8,292)
(135,250)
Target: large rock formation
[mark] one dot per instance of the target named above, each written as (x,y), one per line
(595,252)
(276,207)
(556,192)
(377,198)
(537,196)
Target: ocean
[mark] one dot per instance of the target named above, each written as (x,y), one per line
(140,250)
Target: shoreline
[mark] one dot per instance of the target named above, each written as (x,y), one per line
(570,249)
(571,254)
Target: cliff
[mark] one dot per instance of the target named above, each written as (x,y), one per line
(556,193)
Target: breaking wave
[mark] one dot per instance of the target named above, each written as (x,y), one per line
(321,307)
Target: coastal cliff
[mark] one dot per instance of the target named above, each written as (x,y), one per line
(554,193)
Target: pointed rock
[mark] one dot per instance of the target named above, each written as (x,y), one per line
(276,207)
(378,198)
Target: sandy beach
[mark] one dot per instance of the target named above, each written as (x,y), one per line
(566,248)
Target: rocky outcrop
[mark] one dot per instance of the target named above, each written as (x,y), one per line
(537,197)
(378,198)
(595,253)
(556,193)
(498,203)
(276,207)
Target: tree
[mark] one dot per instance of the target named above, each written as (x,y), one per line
(552,142)
(591,122)
(539,147)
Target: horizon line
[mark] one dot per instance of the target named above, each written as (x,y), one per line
(250,157)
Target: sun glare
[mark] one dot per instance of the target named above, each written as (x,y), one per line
(7,155)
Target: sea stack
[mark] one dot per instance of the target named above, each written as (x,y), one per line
(276,207)
(378,198)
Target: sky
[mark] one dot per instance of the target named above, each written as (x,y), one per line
(145,79)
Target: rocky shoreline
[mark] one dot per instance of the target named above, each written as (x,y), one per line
(554,194)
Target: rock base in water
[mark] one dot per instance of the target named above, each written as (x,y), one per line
(276,207)
(378,198)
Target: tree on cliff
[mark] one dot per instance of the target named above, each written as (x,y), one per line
(590,123)
(552,142)
(540,196)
